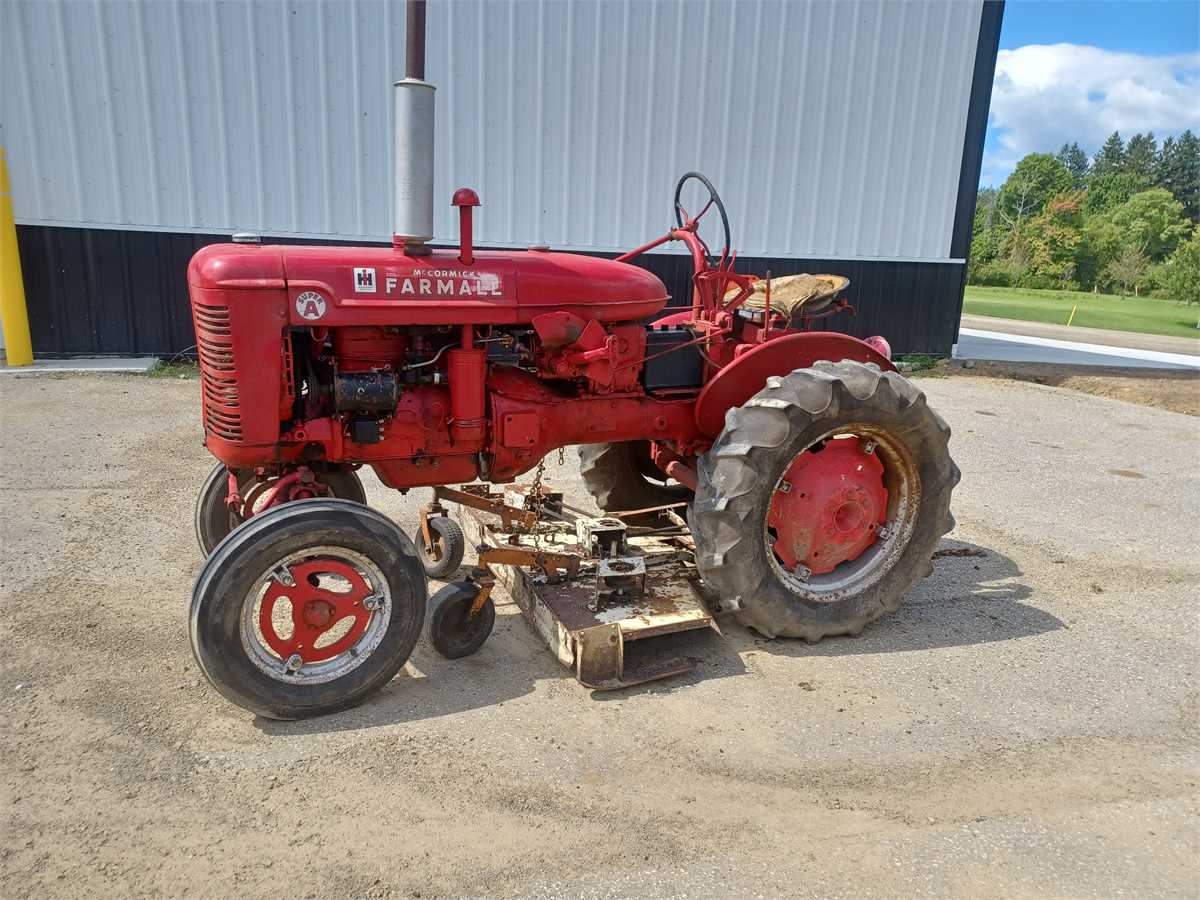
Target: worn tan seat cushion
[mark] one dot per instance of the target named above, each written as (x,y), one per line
(792,295)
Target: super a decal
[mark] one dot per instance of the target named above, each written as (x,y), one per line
(310,305)
(432,283)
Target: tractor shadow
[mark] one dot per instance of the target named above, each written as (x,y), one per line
(974,596)
(507,667)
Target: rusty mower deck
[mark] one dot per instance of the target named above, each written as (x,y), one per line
(631,586)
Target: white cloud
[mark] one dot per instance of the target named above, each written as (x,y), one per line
(1045,95)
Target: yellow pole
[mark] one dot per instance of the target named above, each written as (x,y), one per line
(1072,316)
(13,314)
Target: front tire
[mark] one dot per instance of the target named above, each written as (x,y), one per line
(841,542)
(213,519)
(307,609)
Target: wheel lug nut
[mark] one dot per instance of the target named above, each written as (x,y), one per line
(294,662)
(372,603)
(284,577)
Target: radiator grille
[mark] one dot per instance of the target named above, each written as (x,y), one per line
(218,374)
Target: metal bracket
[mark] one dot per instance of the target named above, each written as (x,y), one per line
(479,497)
(548,562)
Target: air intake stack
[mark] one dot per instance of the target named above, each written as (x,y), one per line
(412,207)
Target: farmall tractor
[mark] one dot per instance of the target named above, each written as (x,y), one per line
(816,478)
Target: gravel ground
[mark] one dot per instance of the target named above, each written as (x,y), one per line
(1026,725)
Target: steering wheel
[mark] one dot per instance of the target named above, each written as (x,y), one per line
(713,199)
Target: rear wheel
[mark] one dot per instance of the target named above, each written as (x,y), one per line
(307,609)
(820,504)
(213,519)
(623,476)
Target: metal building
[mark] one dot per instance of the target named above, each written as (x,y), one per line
(845,137)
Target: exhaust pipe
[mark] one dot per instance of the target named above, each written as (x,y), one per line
(412,202)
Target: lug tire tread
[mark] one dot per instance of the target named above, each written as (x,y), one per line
(738,475)
(611,476)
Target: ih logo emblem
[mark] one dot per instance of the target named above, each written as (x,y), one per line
(364,281)
(310,305)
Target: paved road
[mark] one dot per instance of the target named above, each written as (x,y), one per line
(1156,342)
(992,345)
(1024,726)
(1013,340)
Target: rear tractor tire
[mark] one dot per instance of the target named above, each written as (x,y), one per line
(623,477)
(214,520)
(307,609)
(820,504)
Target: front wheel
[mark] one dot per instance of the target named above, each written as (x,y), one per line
(821,502)
(307,609)
(213,519)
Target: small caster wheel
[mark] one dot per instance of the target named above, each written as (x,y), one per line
(453,631)
(446,554)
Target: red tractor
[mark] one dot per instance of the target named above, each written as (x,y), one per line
(818,477)
(818,480)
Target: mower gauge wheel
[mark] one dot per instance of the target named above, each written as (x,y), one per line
(454,631)
(714,199)
(448,545)
(307,608)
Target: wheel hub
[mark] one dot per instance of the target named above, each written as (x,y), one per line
(315,609)
(829,506)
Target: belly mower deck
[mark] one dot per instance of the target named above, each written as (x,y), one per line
(630,586)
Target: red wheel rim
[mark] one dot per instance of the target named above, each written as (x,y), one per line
(828,507)
(315,610)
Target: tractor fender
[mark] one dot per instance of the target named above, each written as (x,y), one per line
(733,385)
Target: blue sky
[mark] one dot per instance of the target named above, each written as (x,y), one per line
(1074,71)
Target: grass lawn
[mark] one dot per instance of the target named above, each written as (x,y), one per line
(1140,314)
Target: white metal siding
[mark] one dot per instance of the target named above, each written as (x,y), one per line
(831,129)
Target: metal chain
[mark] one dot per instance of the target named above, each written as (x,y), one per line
(535,487)
(534,499)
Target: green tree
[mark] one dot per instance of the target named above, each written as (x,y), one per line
(985,210)
(1037,178)
(1109,190)
(1179,171)
(1141,156)
(1152,221)
(1183,271)
(1127,268)
(1052,239)
(1111,157)
(1076,162)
